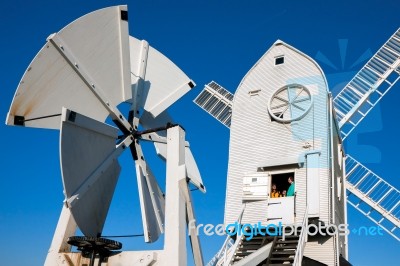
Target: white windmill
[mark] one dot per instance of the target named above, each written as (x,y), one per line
(73,84)
(285,123)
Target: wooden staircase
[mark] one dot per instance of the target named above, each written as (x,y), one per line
(283,251)
(265,247)
(247,247)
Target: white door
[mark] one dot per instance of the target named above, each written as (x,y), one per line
(281,210)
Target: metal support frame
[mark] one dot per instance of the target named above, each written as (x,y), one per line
(178,214)
(175,216)
(66,227)
(179,210)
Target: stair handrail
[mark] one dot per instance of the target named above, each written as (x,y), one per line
(227,259)
(298,258)
(227,244)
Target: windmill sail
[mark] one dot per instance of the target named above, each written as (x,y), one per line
(352,104)
(216,101)
(51,80)
(374,197)
(368,86)
(157,83)
(89,168)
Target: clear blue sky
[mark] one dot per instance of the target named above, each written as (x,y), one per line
(209,40)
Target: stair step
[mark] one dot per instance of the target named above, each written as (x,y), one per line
(251,246)
(245,252)
(256,242)
(290,237)
(237,258)
(282,259)
(287,252)
(286,241)
(285,247)
(262,237)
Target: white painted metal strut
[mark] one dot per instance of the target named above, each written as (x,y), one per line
(79,68)
(191,218)
(380,196)
(154,193)
(177,202)
(138,86)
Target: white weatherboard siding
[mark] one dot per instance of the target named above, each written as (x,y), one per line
(321,249)
(254,138)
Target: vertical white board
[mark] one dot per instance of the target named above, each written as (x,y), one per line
(312,160)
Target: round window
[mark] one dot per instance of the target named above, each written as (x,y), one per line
(290,103)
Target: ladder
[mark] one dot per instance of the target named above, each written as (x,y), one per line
(368,86)
(217,101)
(373,197)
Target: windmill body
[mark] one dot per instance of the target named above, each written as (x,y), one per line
(286,85)
(285,123)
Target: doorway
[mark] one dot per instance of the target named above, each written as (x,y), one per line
(281,181)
